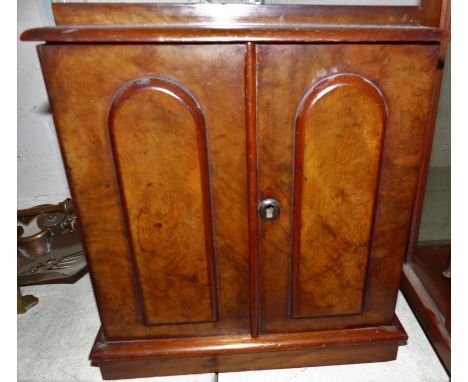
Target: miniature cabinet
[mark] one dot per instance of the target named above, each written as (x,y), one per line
(245,191)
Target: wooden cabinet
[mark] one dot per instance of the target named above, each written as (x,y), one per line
(172,138)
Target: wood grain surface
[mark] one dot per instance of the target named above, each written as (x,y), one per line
(127,368)
(234,353)
(82,81)
(404,74)
(428,314)
(157,135)
(233,14)
(429,262)
(252,179)
(175,121)
(288,33)
(339,128)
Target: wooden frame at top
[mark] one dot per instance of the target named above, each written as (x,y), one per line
(243,23)
(430,13)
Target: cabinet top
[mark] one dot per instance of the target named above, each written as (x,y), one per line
(210,23)
(230,35)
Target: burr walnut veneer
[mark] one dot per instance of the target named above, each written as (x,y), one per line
(176,122)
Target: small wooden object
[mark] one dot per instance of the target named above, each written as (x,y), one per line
(24,303)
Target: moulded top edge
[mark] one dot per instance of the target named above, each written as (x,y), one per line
(239,33)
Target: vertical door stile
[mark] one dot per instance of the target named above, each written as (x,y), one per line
(252,180)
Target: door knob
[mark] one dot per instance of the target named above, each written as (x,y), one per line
(269,209)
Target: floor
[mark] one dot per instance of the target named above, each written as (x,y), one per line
(55,336)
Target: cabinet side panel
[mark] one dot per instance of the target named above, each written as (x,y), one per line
(158,139)
(338,139)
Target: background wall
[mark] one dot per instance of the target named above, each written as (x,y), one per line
(436,217)
(440,156)
(41,176)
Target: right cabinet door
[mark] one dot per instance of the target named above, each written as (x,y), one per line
(341,129)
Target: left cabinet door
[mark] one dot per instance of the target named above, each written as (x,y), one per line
(153,139)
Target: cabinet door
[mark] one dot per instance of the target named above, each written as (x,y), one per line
(154,145)
(340,135)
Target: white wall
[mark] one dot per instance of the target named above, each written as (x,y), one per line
(440,156)
(41,176)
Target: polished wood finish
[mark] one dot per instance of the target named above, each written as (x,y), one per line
(250,361)
(338,144)
(435,321)
(170,228)
(404,75)
(234,353)
(428,293)
(105,350)
(83,132)
(176,123)
(429,263)
(435,12)
(428,314)
(444,24)
(231,14)
(252,175)
(291,34)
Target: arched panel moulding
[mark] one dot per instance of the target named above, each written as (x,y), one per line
(339,131)
(157,135)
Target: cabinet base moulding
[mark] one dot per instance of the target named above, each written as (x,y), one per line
(148,358)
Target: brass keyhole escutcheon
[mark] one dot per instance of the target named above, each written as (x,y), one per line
(269,209)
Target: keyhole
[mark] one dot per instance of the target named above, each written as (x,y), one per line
(269,212)
(269,209)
